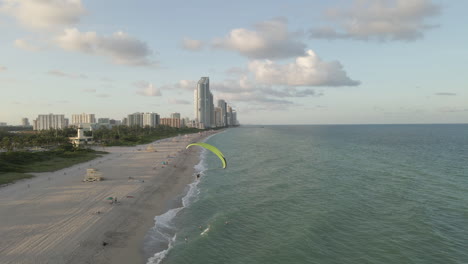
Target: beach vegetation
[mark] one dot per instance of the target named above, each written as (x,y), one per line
(15,165)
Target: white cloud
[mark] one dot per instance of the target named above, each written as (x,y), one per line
(120,47)
(182,84)
(308,70)
(270,39)
(68,75)
(103,95)
(147,89)
(3,68)
(26,45)
(89,90)
(44,14)
(192,44)
(178,101)
(446,94)
(379,20)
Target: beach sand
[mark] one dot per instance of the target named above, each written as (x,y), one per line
(57,218)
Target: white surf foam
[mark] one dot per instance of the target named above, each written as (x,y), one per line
(164,228)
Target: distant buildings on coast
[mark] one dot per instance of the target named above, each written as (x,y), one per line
(206,115)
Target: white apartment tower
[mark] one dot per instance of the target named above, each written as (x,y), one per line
(203,104)
(83,119)
(151,119)
(45,122)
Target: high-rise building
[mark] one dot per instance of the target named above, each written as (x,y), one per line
(151,119)
(218,117)
(104,120)
(135,119)
(3,124)
(78,119)
(229,116)
(172,122)
(203,103)
(25,122)
(175,115)
(45,122)
(222,104)
(234,118)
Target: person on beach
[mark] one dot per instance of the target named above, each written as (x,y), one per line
(198,175)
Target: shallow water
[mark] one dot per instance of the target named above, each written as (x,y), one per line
(328,194)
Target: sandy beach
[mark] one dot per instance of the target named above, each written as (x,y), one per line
(55,217)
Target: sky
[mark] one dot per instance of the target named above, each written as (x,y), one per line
(275,62)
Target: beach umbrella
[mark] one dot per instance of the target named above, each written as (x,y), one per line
(110,198)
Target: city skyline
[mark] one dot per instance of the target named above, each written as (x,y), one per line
(325,62)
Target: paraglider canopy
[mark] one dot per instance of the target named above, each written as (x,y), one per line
(213,149)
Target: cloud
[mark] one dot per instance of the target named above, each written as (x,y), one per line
(270,39)
(147,89)
(25,45)
(192,44)
(308,70)
(446,94)
(452,109)
(68,75)
(44,14)
(381,20)
(3,68)
(182,85)
(177,101)
(120,47)
(103,95)
(89,90)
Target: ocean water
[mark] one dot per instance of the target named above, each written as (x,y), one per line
(324,194)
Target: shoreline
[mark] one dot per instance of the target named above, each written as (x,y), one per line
(56,218)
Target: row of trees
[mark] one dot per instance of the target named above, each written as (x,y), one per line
(45,138)
(117,135)
(131,135)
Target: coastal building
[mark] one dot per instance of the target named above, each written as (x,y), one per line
(3,124)
(50,121)
(203,104)
(218,117)
(234,118)
(175,115)
(172,122)
(81,139)
(83,118)
(25,122)
(223,105)
(103,120)
(229,116)
(151,119)
(135,119)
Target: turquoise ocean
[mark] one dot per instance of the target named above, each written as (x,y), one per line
(323,194)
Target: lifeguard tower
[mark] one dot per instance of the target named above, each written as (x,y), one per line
(92,175)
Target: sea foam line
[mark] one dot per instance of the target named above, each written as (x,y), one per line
(163,222)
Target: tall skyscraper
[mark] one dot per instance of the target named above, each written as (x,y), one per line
(203,100)
(218,117)
(44,122)
(222,104)
(229,116)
